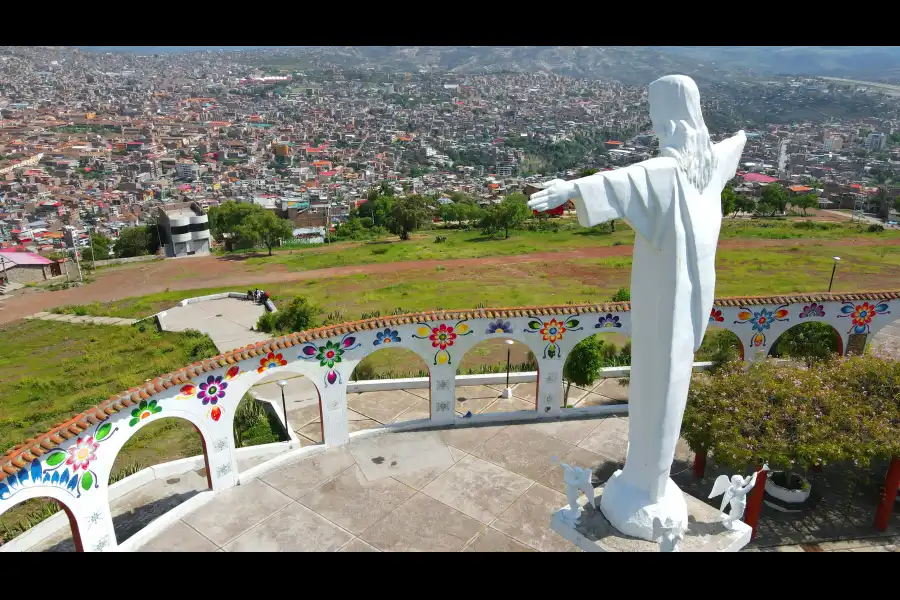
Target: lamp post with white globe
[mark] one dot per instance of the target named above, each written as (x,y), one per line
(507,392)
(833,269)
(281,383)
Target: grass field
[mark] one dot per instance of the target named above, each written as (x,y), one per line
(471,244)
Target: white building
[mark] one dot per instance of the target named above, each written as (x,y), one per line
(876,141)
(187,170)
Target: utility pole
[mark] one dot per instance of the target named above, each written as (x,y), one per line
(91,241)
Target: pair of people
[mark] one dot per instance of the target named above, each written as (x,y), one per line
(258,296)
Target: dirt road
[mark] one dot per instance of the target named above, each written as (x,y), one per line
(217,271)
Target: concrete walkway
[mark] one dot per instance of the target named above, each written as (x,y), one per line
(69,318)
(887,341)
(227,321)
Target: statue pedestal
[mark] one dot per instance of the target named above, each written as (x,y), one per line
(705,533)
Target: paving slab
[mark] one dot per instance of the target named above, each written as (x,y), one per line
(423,524)
(611,388)
(220,521)
(491,540)
(383,407)
(523,451)
(471,437)
(339,500)
(293,529)
(477,488)
(475,398)
(610,438)
(528,520)
(357,545)
(419,410)
(298,479)
(567,430)
(393,455)
(179,537)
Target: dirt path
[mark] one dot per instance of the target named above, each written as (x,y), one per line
(219,271)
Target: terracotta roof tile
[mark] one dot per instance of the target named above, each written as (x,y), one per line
(18,457)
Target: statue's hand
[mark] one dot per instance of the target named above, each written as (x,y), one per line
(557,193)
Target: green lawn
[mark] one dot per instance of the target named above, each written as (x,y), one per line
(571,236)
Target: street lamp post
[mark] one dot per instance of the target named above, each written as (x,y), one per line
(833,269)
(507,392)
(287,430)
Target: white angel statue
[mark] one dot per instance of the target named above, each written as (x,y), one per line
(734,492)
(669,533)
(576,479)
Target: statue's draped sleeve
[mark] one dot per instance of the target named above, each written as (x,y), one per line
(640,194)
(728,154)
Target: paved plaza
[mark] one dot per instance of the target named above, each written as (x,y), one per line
(227,321)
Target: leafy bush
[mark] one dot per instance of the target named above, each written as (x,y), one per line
(622,295)
(719,347)
(299,315)
(440,239)
(875,228)
(796,418)
(809,342)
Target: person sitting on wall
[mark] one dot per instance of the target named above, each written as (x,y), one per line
(249,294)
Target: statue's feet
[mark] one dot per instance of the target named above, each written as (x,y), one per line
(571,515)
(631,511)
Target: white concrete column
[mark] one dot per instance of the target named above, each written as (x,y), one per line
(95,524)
(443,394)
(550,385)
(221,460)
(334,415)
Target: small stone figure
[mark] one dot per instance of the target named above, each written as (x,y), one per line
(576,479)
(735,492)
(669,533)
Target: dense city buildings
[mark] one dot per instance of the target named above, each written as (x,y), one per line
(102,142)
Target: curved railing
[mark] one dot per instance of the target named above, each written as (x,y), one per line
(71,463)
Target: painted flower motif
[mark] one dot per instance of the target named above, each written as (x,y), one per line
(553,330)
(388,336)
(498,326)
(862,314)
(812,310)
(82,453)
(144,410)
(329,354)
(715,316)
(233,372)
(442,337)
(608,321)
(212,389)
(270,361)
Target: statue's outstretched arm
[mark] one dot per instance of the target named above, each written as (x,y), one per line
(640,194)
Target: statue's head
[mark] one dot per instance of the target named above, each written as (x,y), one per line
(737,480)
(678,122)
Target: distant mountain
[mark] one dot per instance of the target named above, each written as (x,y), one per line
(627,64)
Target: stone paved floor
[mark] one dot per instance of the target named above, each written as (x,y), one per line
(887,340)
(67,318)
(476,488)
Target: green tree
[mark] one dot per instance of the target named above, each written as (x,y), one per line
(378,209)
(897,204)
(587,172)
(805,202)
(729,200)
(407,215)
(101,245)
(451,212)
(583,364)
(509,214)
(266,228)
(775,197)
(229,216)
(743,204)
(622,295)
(132,241)
(762,208)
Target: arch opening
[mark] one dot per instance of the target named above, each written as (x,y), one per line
(490,357)
(370,409)
(582,384)
(808,342)
(24,515)
(720,345)
(302,401)
(132,511)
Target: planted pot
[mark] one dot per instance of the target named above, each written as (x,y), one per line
(786,491)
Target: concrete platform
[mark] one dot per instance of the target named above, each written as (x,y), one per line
(705,533)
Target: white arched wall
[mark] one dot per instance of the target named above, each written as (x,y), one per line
(313,354)
(758,326)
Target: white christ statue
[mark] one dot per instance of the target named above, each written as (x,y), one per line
(673,202)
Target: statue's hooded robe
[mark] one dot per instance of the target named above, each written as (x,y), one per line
(673,202)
